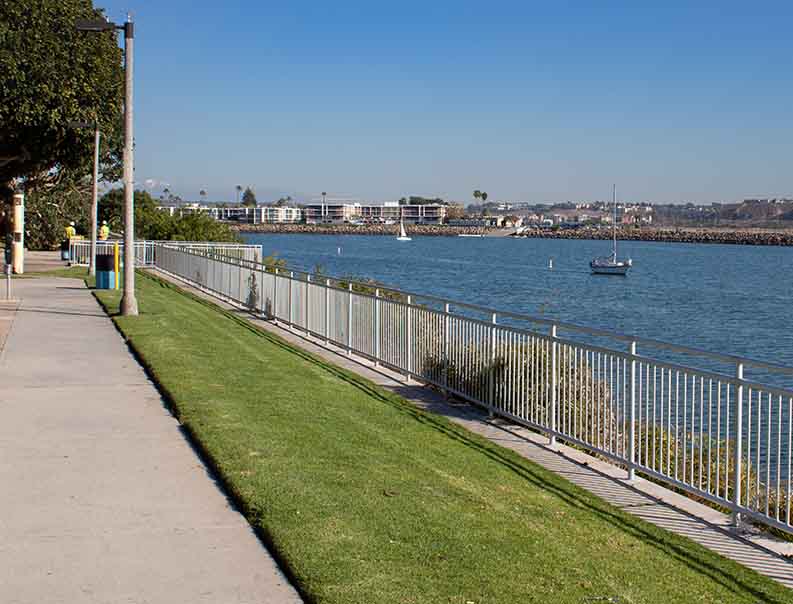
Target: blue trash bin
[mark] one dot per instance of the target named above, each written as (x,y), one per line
(106,275)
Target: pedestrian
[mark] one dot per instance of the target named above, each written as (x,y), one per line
(70,232)
(104,231)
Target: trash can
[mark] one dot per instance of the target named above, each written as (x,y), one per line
(105,271)
(65,249)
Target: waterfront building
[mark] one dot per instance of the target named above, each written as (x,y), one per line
(243,214)
(278,215)
(390,212)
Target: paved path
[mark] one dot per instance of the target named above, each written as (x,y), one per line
(642,498)
(102,498)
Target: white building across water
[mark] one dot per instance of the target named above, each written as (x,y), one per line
(387,213)
(331,212)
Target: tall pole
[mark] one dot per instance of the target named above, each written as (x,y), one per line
(129,305)
(94,201)
(18,243)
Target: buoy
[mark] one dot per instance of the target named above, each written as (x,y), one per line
(339,251)
(550,264)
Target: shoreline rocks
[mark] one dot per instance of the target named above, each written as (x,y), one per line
(731,236)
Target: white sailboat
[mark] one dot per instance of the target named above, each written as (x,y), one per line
(403,236)
(610,265)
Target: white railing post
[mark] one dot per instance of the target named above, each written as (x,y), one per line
(376,332)
(409,340)
(289,299)
(307,305)
(349,319)
(261,290)
(632,430)
(554,385)
(446,350)
(327,311)
(491,402)
(738,461)
(275,295)
(240,282)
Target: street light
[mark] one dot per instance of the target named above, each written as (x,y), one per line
(129,305)
(94,196)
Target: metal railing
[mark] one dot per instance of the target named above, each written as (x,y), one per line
(688,418)
(80,250)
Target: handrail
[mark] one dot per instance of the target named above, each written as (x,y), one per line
(688,350)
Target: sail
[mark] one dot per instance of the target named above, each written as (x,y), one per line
(402,232)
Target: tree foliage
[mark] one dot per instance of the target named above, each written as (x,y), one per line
(151,223)
(51,74)
(248,197)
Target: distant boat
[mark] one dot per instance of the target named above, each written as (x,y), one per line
(470,235)
(403,236)
(610,265)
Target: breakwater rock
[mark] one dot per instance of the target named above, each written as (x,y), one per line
(661,235)
(364,229)
(736,236)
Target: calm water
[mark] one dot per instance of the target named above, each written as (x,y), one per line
(732,299)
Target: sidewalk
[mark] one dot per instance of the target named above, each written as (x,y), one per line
(102,498)
(647,500)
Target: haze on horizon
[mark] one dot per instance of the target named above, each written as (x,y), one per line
(526,100)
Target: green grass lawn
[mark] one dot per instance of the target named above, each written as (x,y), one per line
(366,499)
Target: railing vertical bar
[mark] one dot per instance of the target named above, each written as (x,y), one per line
(778,457)
(632,443)
(554,381)
(738,445)
(349,319)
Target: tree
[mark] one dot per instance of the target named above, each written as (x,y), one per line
(483,195)
(203,195)
(151,223)
(239,190)
(249,197)
(454,212)
(51,75)
(477,194)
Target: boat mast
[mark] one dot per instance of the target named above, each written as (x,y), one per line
(614,220)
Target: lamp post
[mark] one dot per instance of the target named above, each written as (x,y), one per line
(129,305)
(95,192)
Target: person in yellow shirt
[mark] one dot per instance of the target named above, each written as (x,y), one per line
(70,231)
(104,231)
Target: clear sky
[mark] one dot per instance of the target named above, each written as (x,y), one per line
(533,101)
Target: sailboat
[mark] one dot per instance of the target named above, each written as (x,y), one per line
(403,236)
(609,265)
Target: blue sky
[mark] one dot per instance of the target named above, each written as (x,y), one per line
(550,101)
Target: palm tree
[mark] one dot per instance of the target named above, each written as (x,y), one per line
(203,195)
(239,190)
(483,195)
(477,194)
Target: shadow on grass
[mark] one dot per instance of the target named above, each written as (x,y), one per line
(704,561)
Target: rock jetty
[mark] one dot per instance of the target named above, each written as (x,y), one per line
(365,229)
(662,235)
(735,236)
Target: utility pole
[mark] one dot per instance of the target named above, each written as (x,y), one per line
(94,202)
(129,304)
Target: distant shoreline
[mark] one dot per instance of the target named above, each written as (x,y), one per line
(724,235)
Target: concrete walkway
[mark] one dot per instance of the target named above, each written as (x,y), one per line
(102,498)
(647,500)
